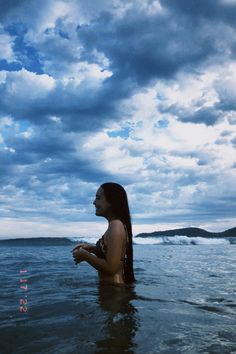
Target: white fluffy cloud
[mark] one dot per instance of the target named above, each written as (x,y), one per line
(27,85)
(6,44)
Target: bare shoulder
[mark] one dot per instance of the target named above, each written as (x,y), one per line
(116,229)
(116,226)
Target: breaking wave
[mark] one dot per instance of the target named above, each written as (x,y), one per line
(183,240)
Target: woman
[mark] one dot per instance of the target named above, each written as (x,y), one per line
(112,255)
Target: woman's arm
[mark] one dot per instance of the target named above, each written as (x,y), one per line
(114,237)
(86,246)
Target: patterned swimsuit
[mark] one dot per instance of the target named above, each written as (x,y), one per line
(101,248)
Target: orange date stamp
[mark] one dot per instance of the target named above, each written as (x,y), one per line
(24,287)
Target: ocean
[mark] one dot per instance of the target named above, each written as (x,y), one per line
(184,299)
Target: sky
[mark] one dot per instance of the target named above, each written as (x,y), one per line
(138,92)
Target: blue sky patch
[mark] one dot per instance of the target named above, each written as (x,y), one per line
(122,133)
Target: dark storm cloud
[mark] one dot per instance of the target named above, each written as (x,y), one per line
(43,145)
(145,47)
(10,5)
(212,10)
(47,154)
(209,209)
(80,108)
(233,141)
(227,103)
(7,166)
(74,167)
(206,115)
(88,109)
(32,153)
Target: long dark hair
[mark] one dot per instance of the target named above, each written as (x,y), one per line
(116,195)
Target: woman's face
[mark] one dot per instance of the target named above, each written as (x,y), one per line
(102,206)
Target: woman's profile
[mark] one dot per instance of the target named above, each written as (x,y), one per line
(112,255)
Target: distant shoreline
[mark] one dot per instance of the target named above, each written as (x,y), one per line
(190,232)
(37,241)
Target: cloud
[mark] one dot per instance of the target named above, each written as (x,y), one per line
(208,116)
(143,47)
(79,102)
(9,6)
(233,141)
(26,84)
(137,92)
(225,87)
(6,46)
(213,10)
(116,54)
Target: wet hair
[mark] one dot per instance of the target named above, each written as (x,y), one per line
(116,195)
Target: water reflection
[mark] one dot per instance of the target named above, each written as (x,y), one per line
(121,322)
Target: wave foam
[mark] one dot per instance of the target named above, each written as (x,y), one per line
(181,240)
(83,239)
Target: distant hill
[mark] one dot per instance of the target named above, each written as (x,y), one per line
(190,232)
(37,241)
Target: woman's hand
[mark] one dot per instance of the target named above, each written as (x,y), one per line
(79,255)
(85,246)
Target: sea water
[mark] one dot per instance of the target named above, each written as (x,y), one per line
(184,301)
